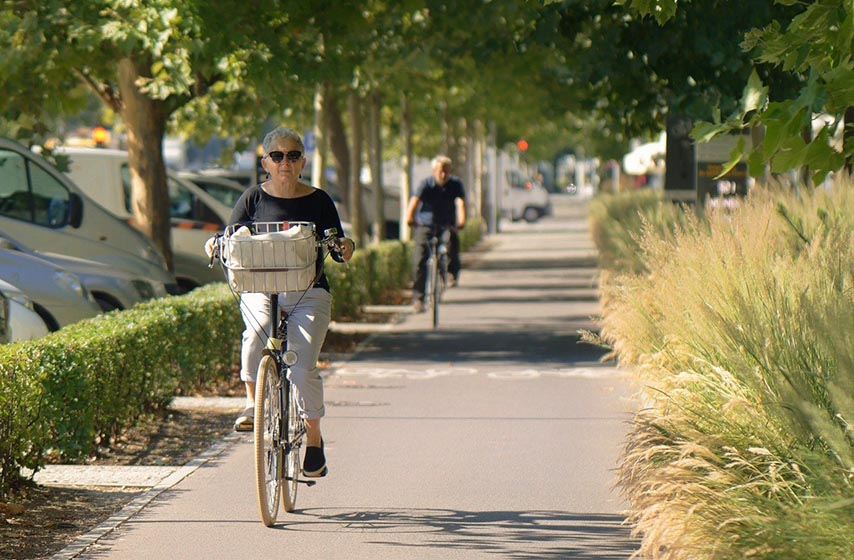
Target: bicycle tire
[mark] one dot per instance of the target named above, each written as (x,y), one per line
(268,471)
(294,432)
(428,283)
(434,281)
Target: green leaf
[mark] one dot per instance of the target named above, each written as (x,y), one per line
(755,94)
(735,156)
(705,131)
(756,162)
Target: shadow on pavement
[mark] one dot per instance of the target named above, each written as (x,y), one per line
(534,346)
(520,535)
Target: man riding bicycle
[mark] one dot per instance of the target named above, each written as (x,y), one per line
(439,201)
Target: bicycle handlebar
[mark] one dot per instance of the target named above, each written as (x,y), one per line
(332,243)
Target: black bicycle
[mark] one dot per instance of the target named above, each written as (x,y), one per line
(270,258)
(436,268)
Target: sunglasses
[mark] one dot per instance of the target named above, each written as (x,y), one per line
(277,156)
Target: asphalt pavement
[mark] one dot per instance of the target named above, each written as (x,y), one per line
(494,436)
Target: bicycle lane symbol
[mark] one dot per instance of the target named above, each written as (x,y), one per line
(566,373)
(405,373)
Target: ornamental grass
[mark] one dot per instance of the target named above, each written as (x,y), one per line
(738,330)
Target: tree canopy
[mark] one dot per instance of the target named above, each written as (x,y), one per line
(559,73)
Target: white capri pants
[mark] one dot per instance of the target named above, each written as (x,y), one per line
(307,327)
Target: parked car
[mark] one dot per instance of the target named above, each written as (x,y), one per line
(196,215)
(58,296)
(524,199)
(45,208)
(19,321)
(224,190)
(245,177)
(110,287)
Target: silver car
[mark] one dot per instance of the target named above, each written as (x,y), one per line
(18,319)
(111,288)
(58,296)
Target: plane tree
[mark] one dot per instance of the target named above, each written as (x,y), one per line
(148,61)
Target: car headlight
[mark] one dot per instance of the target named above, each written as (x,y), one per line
(71,282)
(18,298)
(143,288)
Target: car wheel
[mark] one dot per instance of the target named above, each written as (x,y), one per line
(107,303)
(531,215)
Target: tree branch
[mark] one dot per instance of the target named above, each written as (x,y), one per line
(103,90)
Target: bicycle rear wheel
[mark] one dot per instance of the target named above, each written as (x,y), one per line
(267,429)
(295,427)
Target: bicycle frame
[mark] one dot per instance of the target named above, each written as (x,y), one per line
(277,347)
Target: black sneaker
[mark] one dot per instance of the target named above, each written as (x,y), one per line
(314,464)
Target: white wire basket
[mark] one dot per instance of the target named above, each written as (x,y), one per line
(282,259)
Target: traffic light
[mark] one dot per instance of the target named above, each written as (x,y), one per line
(522,144)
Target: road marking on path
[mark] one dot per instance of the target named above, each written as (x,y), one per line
(514,374)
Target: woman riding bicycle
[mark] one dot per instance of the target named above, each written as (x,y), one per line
(283,197)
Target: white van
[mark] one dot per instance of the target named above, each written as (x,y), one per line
(524,199)
(196,215)
(42,207)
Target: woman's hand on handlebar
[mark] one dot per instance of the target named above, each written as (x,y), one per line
(346,248)
(341,248)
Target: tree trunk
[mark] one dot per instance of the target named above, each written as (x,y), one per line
(804,175)
(471,168)
(318,160)
(357,214)
(680,168)
(405,164)
(848,139)
(145,120)
(377,165)
(340,149)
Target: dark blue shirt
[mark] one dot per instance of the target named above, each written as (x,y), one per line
(437,201)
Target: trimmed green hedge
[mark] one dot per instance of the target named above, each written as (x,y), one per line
(66,393)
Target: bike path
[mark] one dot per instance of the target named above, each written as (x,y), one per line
(494,436)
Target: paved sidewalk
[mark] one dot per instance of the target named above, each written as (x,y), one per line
(494,436)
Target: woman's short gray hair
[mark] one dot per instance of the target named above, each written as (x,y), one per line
(281,133)
(440,160)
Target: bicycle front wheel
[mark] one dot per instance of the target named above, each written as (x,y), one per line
(268,411)
(295,428)
(434,289)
